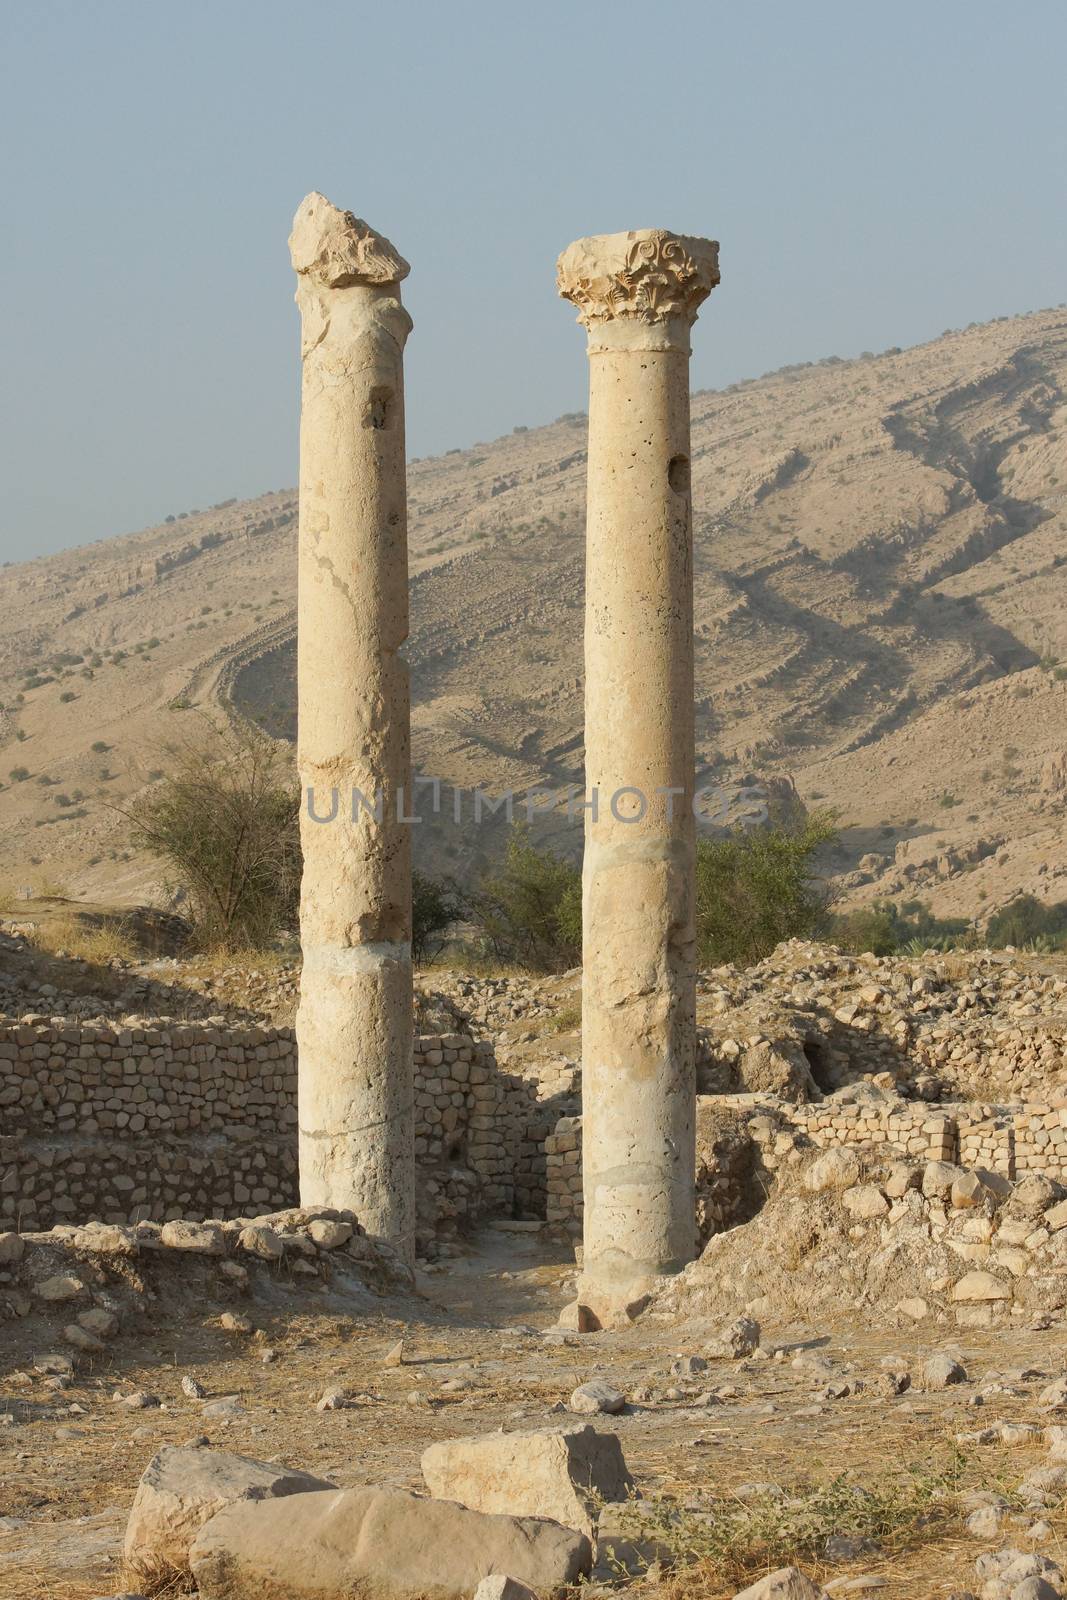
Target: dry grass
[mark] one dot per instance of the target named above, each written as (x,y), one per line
(77,938)
(157,1579)
(715,1546)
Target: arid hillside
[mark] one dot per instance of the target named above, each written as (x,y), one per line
(881,604)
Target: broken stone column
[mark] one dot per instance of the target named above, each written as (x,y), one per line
(638,294)
(354,1023)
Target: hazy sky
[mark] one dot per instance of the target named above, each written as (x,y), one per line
(875,173)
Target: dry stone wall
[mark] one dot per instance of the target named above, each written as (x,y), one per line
(1015,1141)
(134,1122)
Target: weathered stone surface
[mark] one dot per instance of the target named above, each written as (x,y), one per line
(59,1287)
(354,1022)
(980,1286)
(834,1169)
(203,1238)
(938,1178)
(12,1249)
(788,1583)
(866,1202)
(377,1542)
(328,1234)
(502,1588)
(181,1488)
(737,1340)
(1034,1194)
(563,1475)
(638,295)
(942,1370)
(262,1242)
(597,1396)
(106,1239)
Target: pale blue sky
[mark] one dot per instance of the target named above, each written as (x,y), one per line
(875,173)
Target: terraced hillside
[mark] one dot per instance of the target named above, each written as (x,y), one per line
(881,606)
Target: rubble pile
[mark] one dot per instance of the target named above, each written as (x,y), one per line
(76,1289)
(904,1242)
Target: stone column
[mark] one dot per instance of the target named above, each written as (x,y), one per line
(638,294)
(354,1024)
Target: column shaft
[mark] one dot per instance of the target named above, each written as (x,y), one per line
(638,1020)
(637,294)
(354,1023)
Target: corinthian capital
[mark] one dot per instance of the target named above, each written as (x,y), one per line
(648,275)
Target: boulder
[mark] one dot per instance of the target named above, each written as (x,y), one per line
(596,1396)
(61,1286)
(106,1239)
(329,1234)
(837,1168)
(181,1488)
(562,1475)
(942,1370)
(11,1249)
(901,1178)
(377,1543)
(788,1583)
(737,1340)
(866,1201)
(980,1286)
(261,1241)
(501,1588)
(203,1238)
(1034,1194)
(938,1178)
(970,1189)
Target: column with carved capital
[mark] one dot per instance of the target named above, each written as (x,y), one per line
(637,295)
(354,1023)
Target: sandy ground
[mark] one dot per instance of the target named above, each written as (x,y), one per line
(477,1359)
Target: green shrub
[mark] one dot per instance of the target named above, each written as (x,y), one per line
(757,887)
(223,819)
(885,929)
(529,908)
(433,911)
(1027,921)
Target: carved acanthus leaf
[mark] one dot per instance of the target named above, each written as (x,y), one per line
(650,275)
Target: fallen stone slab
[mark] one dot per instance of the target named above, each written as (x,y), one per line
(182,1488)
(379,1544)
(562,1475)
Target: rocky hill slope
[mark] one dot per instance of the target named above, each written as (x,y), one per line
(881,578)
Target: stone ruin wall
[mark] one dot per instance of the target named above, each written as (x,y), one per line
(195,1121)
(127,1123)
(1014,1141)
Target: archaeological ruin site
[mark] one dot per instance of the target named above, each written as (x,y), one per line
(716,1254)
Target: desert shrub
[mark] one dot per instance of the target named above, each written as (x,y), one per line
(19,774)
(433,911)
(223,820)
(883,928)
(759,886)
(528,909)
(1027,921)
(715,1544)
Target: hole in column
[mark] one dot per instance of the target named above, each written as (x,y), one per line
(678,474)
(379,408)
